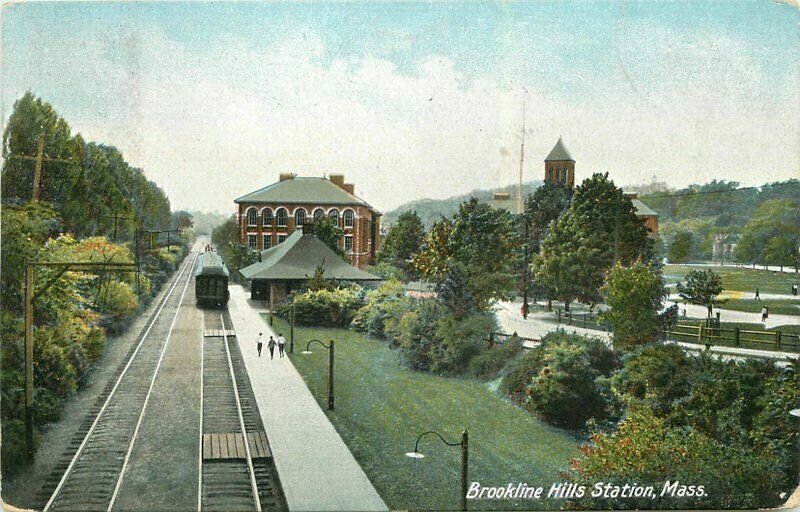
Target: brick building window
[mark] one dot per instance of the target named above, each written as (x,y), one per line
(252,216)
(252,242)
(299,217)
(267,241)
(280,216)
(333,215)
(348,244)
(349,218)
(266,217)
(281,239)
(318,214)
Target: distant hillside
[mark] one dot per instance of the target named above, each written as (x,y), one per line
(430,210)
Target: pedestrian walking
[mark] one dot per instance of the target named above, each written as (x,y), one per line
(794,289)
(259,344)
(271,345)
(281,344)
(758,297)
(764,314)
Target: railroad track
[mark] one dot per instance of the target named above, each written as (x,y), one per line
(90,475)
(235,467)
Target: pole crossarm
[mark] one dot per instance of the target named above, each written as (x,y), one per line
(66,266)
(45,159)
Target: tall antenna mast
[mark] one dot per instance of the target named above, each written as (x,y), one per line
(521,156)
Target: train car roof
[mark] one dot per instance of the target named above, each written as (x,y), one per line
(210,264)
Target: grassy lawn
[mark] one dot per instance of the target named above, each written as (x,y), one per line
(381,407)
(778,307)
(744,280)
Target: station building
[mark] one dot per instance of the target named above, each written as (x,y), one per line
(268,216)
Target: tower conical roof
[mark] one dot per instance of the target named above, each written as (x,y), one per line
(559,153)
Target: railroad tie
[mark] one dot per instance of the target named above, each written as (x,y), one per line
(226,446)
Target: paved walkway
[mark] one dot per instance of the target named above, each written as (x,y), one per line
(536,326)
(729,315)
(316,468)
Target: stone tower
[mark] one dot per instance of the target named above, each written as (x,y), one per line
(559,166)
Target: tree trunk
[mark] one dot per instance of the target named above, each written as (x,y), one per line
(566,306)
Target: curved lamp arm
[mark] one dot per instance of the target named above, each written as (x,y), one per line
(445,441)
(318,341)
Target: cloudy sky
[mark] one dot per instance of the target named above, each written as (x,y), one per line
(413,100)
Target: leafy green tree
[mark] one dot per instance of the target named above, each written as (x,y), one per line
(780,251)
(431,262)
(453,291)
(681,248)
(181,220)
(542,208)
(600,228)
(403,241)
(702,288)
(329,233)
(773,218)
(634,295)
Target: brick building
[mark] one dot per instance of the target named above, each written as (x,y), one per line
(267,216)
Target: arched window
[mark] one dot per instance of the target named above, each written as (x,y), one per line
(333,215)
(299,217)
(252,216)
(280,217)
(349,218)
(266,217)
(318,214)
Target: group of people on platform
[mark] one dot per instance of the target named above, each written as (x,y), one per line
(280,342)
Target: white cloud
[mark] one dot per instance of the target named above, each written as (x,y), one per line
(210,129)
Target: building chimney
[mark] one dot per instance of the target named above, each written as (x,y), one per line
(337,179)
(286,176)
(308,229)
(350,188)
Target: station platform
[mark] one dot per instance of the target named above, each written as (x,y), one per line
(316,469)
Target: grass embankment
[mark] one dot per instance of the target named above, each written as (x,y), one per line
(741,279)
(381,408)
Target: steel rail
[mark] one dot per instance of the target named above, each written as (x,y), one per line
(186,266)
(252,471)
(149,392)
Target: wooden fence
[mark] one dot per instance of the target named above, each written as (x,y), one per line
(735,337)
(586,320)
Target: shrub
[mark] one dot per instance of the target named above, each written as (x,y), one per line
(329,308)
(657,374)
(384,307)
(491,362)
(562,381)
(460,341)
(417,333)
(646,451)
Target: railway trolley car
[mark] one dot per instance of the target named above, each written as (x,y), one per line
(211,281)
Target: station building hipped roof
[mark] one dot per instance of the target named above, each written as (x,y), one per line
(298,257)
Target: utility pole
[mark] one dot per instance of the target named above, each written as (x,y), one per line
(86,266)
(39,159)
(116,218)
(521,155)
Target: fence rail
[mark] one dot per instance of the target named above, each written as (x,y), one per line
(585,320)
(736,337)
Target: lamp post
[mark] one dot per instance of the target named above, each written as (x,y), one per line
(330,367)
(464,444)
(291,330)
